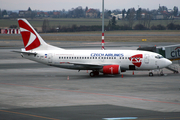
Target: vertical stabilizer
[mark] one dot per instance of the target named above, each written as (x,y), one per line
(32,40)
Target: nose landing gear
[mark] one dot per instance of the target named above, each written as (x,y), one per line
(150,73)
(159,72)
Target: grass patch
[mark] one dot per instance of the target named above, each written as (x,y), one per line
(113,38)
(36,23)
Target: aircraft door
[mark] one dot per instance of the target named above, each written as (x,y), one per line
(50,57)
(146,58)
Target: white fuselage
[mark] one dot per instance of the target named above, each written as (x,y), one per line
(90,59)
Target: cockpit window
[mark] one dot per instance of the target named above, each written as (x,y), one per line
(159,56)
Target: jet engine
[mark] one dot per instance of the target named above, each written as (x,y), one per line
(111,69)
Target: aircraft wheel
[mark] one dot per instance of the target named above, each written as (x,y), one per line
(150,74)
(92,74)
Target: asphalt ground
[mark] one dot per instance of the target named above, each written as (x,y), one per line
(33,91)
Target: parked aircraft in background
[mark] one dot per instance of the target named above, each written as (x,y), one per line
(104,61)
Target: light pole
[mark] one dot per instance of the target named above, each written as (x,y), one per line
(102,25)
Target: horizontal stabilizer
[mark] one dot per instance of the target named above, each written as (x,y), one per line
(24,52)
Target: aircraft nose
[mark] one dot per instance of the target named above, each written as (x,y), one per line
(168,62)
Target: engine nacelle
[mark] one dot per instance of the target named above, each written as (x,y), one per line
(111,69)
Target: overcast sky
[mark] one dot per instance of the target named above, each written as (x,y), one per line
(49,5)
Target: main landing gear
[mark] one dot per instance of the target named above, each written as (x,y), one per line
(94,73)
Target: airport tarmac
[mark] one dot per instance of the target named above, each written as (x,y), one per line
(33,91)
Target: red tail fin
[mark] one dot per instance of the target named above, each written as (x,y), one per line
(29,35)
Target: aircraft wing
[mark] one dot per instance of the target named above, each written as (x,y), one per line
(90,65)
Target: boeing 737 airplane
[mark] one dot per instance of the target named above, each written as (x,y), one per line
(104,61)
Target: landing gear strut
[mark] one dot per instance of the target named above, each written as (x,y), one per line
(161,73)
(94,73)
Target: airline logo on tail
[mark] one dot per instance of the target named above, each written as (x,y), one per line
(30,39)
(136,59)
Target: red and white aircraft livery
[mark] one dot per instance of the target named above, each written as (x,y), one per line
(104,61)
